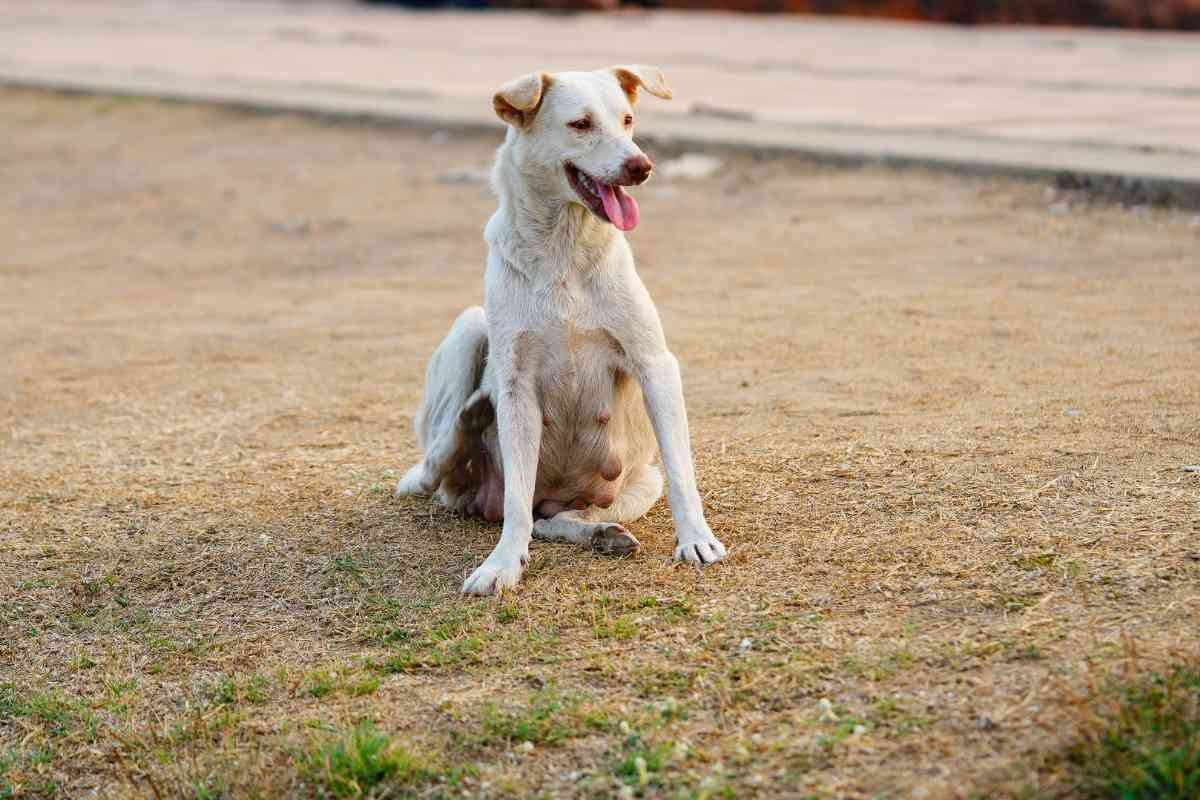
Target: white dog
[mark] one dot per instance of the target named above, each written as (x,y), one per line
(547,401)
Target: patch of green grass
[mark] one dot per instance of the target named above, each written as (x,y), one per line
(82,661)
(362,762)
(449,641)
(671,709)
(18,774)
(320,684)
(10,702)
(677,610)
(843,729)
(49,708)
(399,664)
(230,690)
(543,639)
(851,666)
(463,650)
(548,719)
(451,624)
(1026,652)
(1016,601)
(885,667)
(430,655)
(654,683)
(899,661)
(346,565)
(392,636)
(138,618)
(225,692)
(1037,561)
(621,629)
(1141,741)
(640,764)
(382,615)
(40,583)
(643,764)
(91,588)
(209,789)
(117,687)
(256,689)
(889,714)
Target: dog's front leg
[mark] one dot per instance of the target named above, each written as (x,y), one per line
(663,390)
(519,430)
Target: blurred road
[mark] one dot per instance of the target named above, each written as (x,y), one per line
(1123,103)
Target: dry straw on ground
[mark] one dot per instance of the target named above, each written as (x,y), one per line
(941,423)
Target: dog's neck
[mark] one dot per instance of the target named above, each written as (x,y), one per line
(536,230)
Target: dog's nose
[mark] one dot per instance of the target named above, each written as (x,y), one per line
(635,170)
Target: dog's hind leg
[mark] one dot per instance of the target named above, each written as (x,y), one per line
(599,528)
(454,410)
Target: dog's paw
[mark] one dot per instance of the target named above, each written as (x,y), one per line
(614,540)
(495,575)
(413,482)
(699,548)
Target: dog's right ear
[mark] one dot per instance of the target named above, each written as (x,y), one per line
(518,101)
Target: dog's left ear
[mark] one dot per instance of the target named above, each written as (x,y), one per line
(518,101)
(651,79)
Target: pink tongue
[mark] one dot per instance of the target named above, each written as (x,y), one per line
(621,209)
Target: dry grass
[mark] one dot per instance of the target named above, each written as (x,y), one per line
(940,421)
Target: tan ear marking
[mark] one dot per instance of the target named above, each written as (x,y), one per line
(635,76)
(517,101)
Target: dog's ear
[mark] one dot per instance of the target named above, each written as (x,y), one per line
(518,101)
(633,76)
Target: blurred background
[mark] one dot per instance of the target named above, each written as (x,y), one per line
(1162,14)
(1086,88)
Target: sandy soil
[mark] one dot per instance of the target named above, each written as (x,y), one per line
(941,422)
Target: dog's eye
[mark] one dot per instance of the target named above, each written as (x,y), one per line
(628,120)
(584,124)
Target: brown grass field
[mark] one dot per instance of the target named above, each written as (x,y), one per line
(941,421)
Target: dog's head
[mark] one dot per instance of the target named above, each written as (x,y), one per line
(577,127)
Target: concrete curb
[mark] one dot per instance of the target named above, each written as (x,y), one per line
(1143,179)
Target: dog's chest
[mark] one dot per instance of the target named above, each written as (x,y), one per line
(580,368)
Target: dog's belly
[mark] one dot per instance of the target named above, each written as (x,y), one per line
(594,424)
(595,430)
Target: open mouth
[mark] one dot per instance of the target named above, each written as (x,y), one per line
(607,201)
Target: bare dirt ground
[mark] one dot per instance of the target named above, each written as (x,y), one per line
(941,422)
